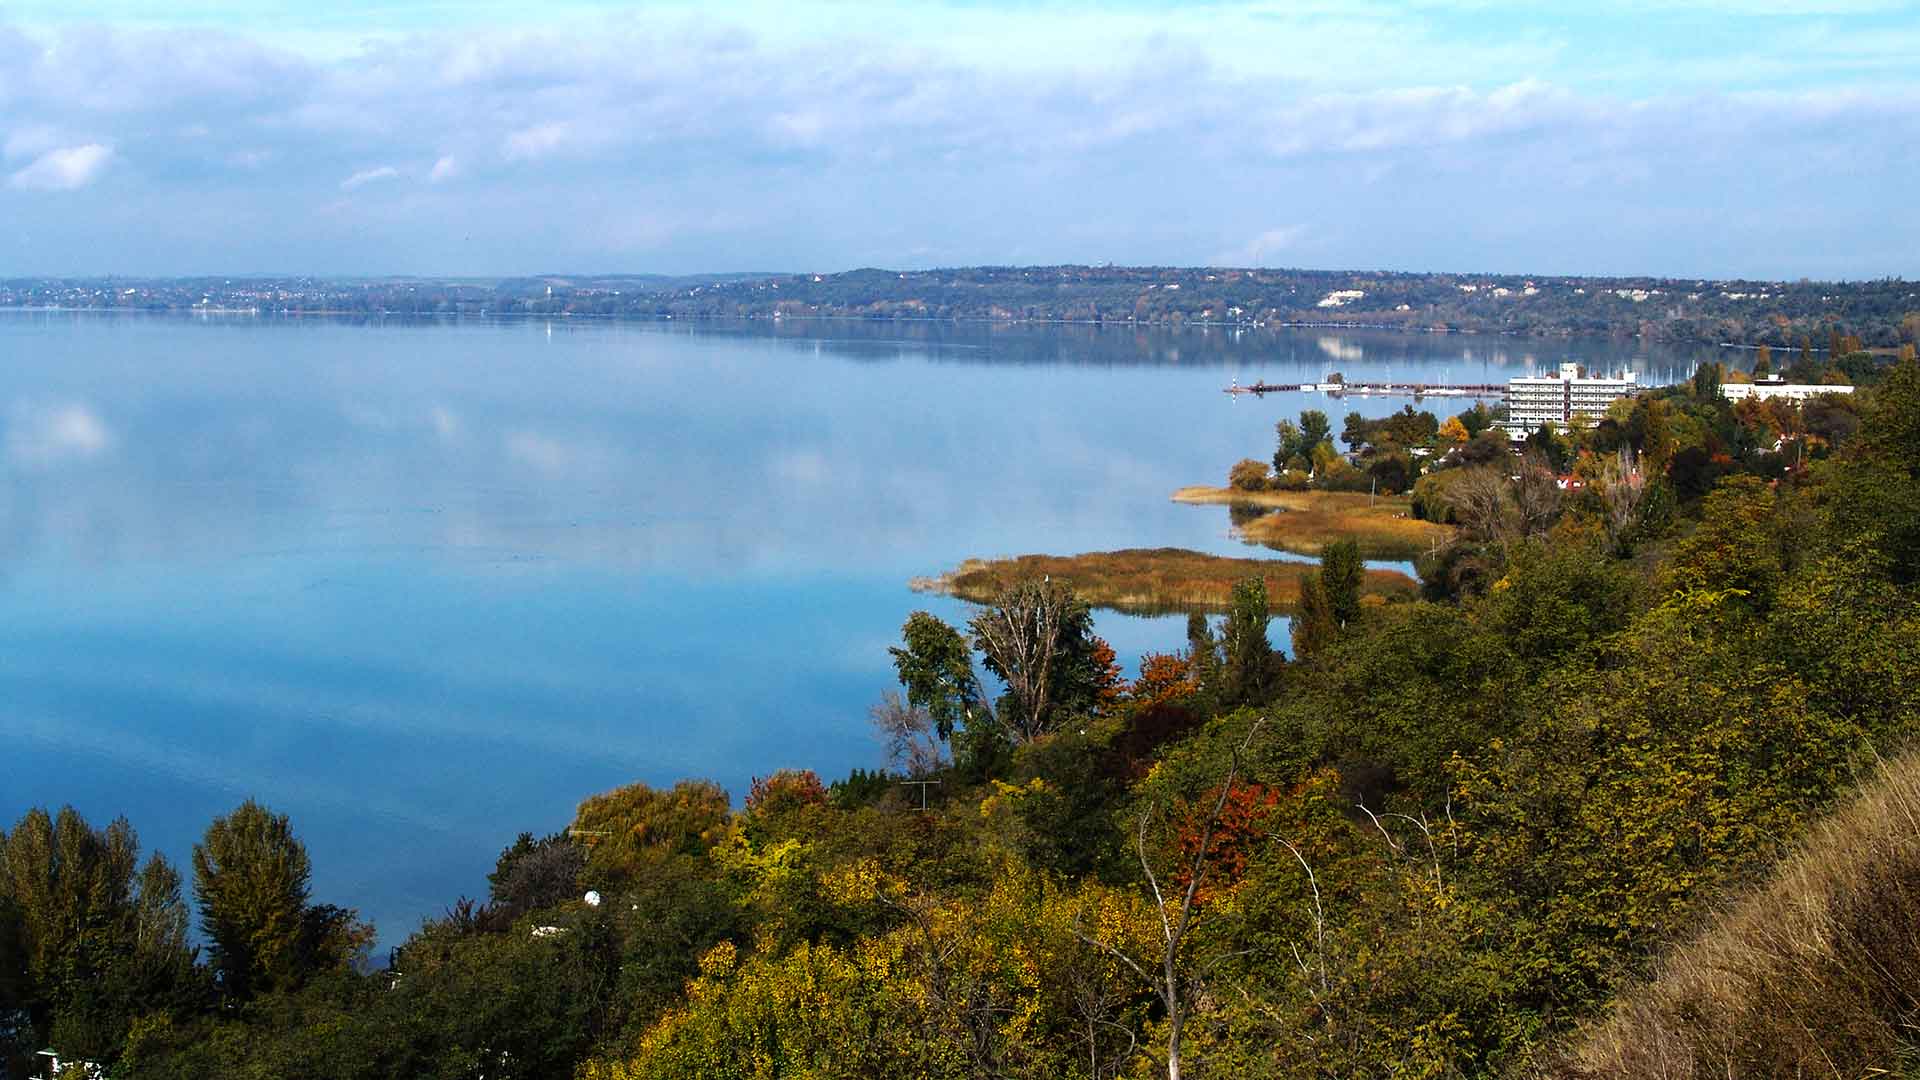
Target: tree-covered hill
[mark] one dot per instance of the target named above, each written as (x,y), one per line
(1882,313)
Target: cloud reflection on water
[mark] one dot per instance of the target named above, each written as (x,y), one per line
(424,585)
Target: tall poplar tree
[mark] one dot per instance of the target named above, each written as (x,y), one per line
(250,878)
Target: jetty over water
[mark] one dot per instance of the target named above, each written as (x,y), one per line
(1385,389)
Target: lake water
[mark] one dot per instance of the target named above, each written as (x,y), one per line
(425,584)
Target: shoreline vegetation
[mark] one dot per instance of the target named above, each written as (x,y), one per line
(1152,581)
(1305,522)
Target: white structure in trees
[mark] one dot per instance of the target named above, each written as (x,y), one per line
(1540,399)
(1766,389)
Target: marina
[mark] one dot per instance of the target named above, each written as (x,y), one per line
(1383,389)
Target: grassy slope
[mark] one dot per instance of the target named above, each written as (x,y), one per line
(1816,972)
(1149,580)
(1384,527)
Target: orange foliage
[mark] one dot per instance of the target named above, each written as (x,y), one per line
(788,789)
(1164,677)
(1239,832)
(1110,683)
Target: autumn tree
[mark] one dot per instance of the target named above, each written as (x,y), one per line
(1178,893)
(1248,475)
(632,829)
(784,791)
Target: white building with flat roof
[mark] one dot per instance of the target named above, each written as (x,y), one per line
(1767,389)
(1535,400)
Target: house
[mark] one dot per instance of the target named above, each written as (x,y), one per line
(49,1065)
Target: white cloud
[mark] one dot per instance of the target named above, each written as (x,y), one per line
(65,169)
(1260,249)
(539,451)
(368,176)
(535,142)
(955,134)
(39,436)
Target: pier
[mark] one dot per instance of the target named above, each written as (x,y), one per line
(1342,389)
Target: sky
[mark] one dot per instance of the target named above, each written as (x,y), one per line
(1730,138)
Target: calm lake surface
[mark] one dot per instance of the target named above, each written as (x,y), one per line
(423,585)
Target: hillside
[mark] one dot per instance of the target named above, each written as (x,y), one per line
(1882,313)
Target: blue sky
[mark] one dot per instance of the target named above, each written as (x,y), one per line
(1766,138)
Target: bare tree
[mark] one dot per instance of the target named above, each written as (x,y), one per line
(913,747)
(1480,502)
(1038,638)
(1172,983)
(1536,495)
(1624,488)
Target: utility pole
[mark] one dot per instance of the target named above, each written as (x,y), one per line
(922,784)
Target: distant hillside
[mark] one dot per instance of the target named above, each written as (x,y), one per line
(1883,314)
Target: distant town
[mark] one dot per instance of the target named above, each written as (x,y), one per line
(1883,314)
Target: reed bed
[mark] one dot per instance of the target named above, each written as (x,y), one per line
(1152,581)
(1305,522)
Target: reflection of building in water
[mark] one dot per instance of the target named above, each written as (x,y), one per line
(1539,399)
(1765,389)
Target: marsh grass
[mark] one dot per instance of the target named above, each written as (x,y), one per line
(1151,581)
(1815,973)
(1305,522)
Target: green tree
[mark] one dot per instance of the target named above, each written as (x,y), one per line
(1872,490)
(86,939)
(1313,625)
(251,879)
(1297,441)
(1250,661)
(936,669)
(534,874)
(1341,575)
(1314,429)
(1329,600)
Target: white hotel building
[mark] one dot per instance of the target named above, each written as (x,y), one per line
(1536,400)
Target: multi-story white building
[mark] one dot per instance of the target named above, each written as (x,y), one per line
(1773,388)
(1539,399)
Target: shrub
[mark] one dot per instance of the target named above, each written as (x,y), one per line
(1248,475)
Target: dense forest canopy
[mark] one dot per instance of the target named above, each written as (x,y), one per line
(1494,831)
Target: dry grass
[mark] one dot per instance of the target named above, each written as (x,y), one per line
(1307,521)
(1814,974)
(1150,580)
